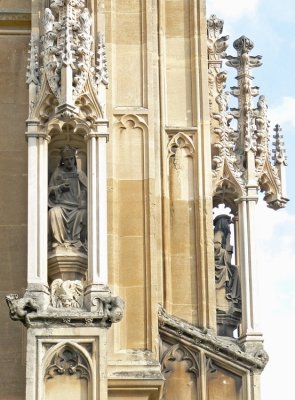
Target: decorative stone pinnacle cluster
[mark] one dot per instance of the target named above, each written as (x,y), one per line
(240,156)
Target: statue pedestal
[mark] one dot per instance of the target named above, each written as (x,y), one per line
(228,314)
(227,323)
(67,264)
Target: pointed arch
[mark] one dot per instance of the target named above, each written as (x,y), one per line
(228,188)
(179,363)
(180,141)
(67,366)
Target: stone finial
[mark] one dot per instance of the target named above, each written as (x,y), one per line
(243,45)
(243,62)
(217,44)
(214,27)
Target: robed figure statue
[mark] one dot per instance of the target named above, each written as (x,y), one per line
(226,273)
(68,204)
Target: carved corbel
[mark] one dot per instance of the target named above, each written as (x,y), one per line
(109,308)
(20,308)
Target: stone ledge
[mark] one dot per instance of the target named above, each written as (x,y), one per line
(181,331)
(15,21)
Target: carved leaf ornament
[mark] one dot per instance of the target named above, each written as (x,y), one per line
(232,147)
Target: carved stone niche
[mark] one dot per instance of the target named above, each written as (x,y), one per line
(227,280)
(67,226)
(68,375)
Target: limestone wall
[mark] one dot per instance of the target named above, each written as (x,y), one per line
(13,207)
(159,181)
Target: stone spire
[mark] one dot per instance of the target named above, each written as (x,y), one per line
(241,166)
(240,156)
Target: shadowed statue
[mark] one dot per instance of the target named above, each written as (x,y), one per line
(67,203)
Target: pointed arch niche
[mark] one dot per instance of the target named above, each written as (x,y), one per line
(64,262)
(191,371)
(68,373)
(180,227)
(227,254)
(181,371)
(132,230)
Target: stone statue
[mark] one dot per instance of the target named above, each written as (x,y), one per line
(67,204)
(85,20)
(226,274)
(109,308)
(48,20)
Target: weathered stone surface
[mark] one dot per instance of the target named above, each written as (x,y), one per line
(13,202)
(152,56)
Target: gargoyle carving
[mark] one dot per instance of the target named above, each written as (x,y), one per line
(19,309)
(109,308)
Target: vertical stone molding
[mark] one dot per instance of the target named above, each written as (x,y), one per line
(181,272)
(97,215)
(37,212)
(250,329)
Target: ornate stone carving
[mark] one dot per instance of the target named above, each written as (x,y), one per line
(226,273)
(226,164)
(178,353)
(101,69)
(66,294)
(67,306)
(261,125)
(176,145)
(227,281)
(109,307)
(67,43)
(68,361)
(67,204)
(19,309)
(217,45)
(233,150)
(179,364)
(208,341)
(279,151)
(33,63)
(67,70)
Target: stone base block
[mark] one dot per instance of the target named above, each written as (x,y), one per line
(227,323)
(93,293)
(252,341)
(39,293)
(67,264)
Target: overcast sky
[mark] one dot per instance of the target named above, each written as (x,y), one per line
(270,25)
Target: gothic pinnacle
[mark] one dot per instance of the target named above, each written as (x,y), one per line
(279,151)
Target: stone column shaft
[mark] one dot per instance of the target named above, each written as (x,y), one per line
(97,209)
(250,321)
(37,206)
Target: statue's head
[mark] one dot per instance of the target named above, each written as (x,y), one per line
(221,223)
(68,157)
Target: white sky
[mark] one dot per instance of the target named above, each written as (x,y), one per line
(270,24)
